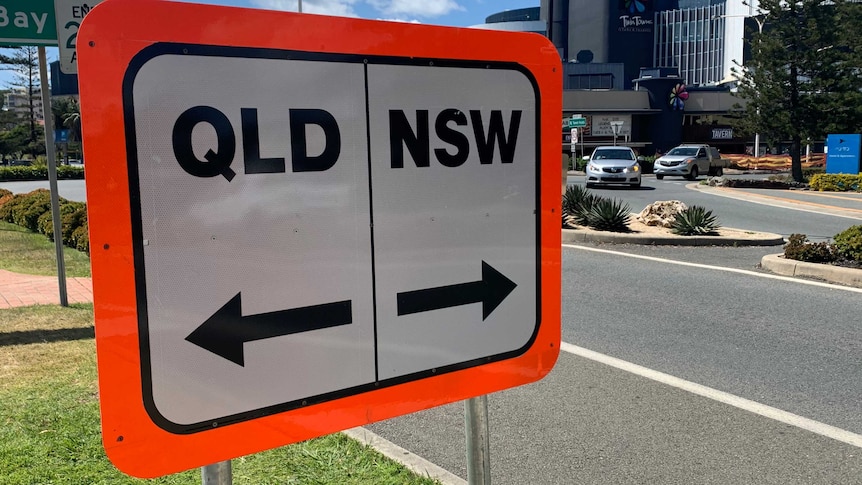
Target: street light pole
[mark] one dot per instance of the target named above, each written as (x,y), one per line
(760,24)
(757,134)
(299,6)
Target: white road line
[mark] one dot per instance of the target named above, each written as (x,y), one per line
(719,268)
(415,463)
(720,396)
(781,205)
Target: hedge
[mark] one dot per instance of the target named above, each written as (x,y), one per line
(33,211)
(40,172)
(835,182)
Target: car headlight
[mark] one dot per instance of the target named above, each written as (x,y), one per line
(688,160)
(593,168)
(634,168)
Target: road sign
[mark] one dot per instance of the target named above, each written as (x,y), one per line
(842,153)
(69,14)
(577,122)
(296,233)
(27,22)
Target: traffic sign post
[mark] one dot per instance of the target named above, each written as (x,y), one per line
(577,122)
(310,233)
(69,15)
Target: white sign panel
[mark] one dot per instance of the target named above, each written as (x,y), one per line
(602,125)
(348,222)
(69,15)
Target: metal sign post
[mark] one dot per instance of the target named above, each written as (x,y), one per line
(478,447)
(616,126)
(52,175)
(217,474)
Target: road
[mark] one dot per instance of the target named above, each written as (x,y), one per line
(715,373)
(758,339)
(73,190)
(768,213)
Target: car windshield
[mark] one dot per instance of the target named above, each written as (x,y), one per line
(686,152)
(613,155)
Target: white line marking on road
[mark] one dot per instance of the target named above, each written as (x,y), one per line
(781,205)
(720,396)
(416,463)
(719,268)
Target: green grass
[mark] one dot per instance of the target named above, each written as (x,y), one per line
(50,430)
(22,251)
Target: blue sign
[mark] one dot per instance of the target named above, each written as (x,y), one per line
(61,135)
(842,154)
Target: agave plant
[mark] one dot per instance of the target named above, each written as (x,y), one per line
(577,203)
(695,221)
(609,215)
(576,196)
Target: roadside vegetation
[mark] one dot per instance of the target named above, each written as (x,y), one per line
(583,208)
(49,396)
(844,250)
(39,171)
(50,416)
(33,212)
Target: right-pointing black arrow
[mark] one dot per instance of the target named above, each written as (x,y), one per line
(491,290)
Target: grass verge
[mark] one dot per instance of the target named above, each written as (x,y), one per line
(22,251)
(50,430)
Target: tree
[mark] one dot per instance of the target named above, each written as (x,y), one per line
(24,61)
(802,81)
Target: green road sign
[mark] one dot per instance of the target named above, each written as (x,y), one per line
(27,22)
(577,122)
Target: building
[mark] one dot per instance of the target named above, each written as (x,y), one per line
(658,69)
(18,101)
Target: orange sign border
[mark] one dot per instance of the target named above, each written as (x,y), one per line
(108,42)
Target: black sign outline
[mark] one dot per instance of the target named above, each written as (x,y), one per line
(181,49)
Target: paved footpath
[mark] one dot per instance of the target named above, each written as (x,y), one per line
(23,290)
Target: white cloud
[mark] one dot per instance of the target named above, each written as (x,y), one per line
(341,8)
(419,8)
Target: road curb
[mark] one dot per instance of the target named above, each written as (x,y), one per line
(777,264)
(753,239)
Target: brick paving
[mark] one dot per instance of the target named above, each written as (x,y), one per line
(23,290)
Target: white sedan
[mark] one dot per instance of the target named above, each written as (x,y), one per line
(613,165)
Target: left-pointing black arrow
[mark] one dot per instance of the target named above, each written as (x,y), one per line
(227,330)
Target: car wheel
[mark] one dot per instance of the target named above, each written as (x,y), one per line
(636,186)
(719,172)
(693,174)
(659,177)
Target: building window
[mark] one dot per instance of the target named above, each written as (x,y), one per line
(591,81)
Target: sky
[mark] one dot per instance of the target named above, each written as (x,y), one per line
(454,13)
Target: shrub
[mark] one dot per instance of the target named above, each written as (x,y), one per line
(647,164)
(577,204)
(798,248)
(33,211)
(40,172)
(834,182)
(609,215)
(72,215)
(576,197)
(848,243)
(25,209)
(695,221)
(581,164)
(81,239)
